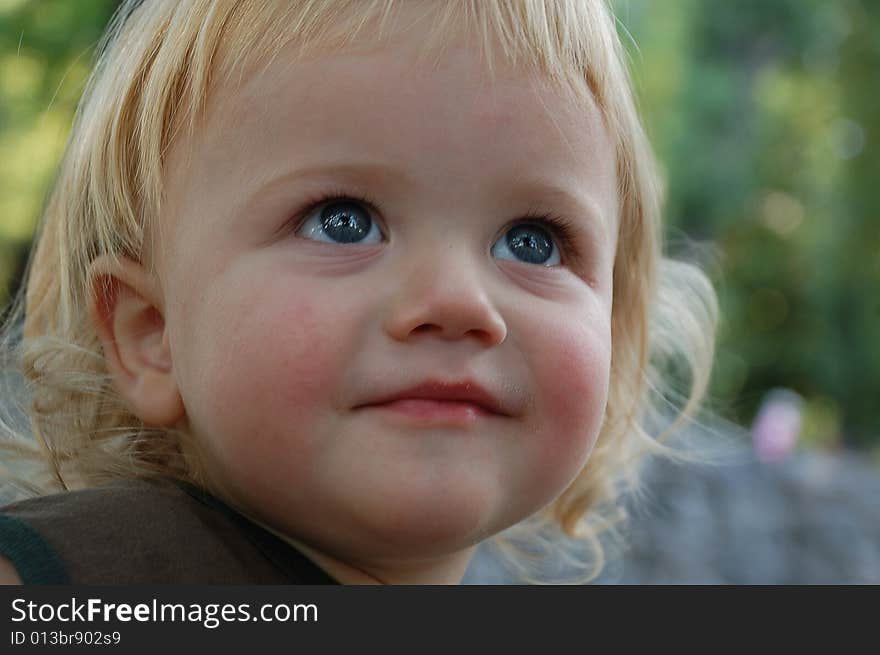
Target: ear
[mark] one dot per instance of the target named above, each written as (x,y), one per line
(127,311)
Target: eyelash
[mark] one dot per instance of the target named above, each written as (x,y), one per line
(562,228)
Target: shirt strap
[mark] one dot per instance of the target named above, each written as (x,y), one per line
(34,559)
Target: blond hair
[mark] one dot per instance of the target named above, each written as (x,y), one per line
(158,64)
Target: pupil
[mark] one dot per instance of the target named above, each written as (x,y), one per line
(345,222)
(530,243)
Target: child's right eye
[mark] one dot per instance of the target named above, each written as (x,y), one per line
(340,220)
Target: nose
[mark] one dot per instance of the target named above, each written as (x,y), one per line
(445,297)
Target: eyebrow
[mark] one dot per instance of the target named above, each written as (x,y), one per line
(366,171)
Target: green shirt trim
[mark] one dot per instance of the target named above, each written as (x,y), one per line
(33,558)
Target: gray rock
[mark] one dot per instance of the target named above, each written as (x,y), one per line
(813,518)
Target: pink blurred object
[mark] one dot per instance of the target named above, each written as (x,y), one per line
(778,425)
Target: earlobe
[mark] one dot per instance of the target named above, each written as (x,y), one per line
(127,312)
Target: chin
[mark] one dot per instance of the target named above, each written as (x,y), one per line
(414,525)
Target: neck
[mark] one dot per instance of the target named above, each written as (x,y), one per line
(441,570)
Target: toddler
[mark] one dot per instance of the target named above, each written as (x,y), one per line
(334,291)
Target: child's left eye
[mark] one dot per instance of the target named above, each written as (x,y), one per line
(529,243)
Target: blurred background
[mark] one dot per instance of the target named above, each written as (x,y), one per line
(765,115)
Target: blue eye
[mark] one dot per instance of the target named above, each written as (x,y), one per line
(340,221)
(340,218)
(529,243)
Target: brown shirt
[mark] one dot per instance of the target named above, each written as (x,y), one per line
(145,532)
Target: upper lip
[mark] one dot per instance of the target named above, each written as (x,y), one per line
(462,391)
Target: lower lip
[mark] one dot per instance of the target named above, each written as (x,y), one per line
(435,410)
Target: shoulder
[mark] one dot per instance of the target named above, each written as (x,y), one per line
(96,508)
(43,538)
(127,532)
(113,496)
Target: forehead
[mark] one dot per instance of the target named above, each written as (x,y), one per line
(380,84)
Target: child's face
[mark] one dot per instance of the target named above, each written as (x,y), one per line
(279,336)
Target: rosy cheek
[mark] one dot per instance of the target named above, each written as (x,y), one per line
(574,383)
(298,359)
(264,373)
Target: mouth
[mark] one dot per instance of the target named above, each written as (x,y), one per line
(440,401)
(429,410)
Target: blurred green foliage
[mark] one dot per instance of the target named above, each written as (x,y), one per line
(765,115)
(46,51)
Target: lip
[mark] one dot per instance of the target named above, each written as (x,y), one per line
(440,399)
(424,411)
